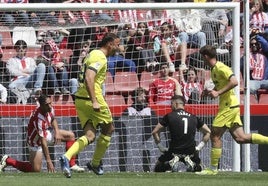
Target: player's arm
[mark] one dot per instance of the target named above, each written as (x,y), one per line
(206,136)
(231,84)
(57,137)
(156,135)
(50,166)
(90,85)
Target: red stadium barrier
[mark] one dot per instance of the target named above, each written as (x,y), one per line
(14,110)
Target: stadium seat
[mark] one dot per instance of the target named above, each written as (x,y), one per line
(146,79)
(253,100)
(8,53)
(263,99)
(115,100)
(7,39)
(129,100)
(109,83)
(125,82)
(25,33)
(33,52)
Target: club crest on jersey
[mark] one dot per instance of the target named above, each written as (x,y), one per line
(97,65)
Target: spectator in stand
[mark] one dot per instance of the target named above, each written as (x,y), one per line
(15,18)
(42,131)
(214,24)
(258,67)
(3,94)
(118,60)
(191,86)
(140,49)
(258,18)
(188,24)
(170,48)
(40,17)
(58,77)
(140,106)
(163,88)
(25,73)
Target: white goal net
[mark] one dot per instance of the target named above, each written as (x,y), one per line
(70,25)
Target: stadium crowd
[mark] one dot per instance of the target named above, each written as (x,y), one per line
(146,39)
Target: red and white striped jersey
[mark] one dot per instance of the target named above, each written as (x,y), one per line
(38,126)
(188,88)
(259,21)
(257,65)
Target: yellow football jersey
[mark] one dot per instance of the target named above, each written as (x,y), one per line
(96,61)
(220,75)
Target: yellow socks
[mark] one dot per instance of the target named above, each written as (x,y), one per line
(77,147)
(259,139)
(215,156)
(102,144)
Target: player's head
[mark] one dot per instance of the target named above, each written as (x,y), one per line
(45,103)
(177,102)
(109,43)
(208,52)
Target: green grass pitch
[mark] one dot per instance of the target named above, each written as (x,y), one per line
(134,179)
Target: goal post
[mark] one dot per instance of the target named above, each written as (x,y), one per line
(127,124)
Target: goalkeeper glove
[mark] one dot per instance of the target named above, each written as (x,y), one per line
(200,146)
(162,148)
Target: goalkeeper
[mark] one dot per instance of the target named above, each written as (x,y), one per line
(182,126)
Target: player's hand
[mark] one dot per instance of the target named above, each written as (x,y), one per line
(200,146)
(57,139)
(50,167)
(96,106)
(162,148)
(213,94)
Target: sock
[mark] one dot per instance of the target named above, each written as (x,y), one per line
(215,156)
(259,139)
(72,160)
(20,165)
(102,144)
(77,147)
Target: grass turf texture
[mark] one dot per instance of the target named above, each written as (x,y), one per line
(139,179)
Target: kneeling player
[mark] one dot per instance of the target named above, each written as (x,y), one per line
(182,127)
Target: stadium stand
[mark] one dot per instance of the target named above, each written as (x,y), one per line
(109,84)
(125,82)
(7,39)
(146,79)
(115,100)
(263,99)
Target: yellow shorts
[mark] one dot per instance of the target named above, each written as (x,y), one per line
(228,117)
(86,113)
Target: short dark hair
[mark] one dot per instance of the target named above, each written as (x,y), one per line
(208,50)
(42,99)
(20,43)
(108,37)
(178,97)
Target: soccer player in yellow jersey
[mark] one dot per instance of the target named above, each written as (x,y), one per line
(228,116)
(91,107)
